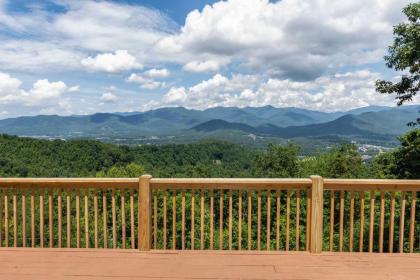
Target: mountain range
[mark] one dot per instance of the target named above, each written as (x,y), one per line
(267,121)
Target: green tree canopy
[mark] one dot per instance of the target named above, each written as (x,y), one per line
(131,170)
(404,55)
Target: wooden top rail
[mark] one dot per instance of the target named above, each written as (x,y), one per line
(229,183)
(371,185)
(215,183)
(70,182)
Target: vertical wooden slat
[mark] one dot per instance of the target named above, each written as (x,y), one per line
(23,219)
(15,231)
(297,231)
(164,219)
(308,219)
(278,219)
(402,216)
(183,220)
(268,241)
(87,243)
(287,220)
(317,202)
(371,220)
(230,219)
(41,218)
(192,220)
(412,221)
(351,235)
(114,220)
(249,219)
(123,225)
(174,220)
(240,220)
(6,218)
(202,220)
(341,229)
(362,220)
(105,218)
(95,214)
(144,213)
(133,242)
(391,223)
(211,218)
(68,218)
(381,222)
(1,218)
(221,221)
(332,205)
(259,220)
(50,218)
(155,216)
(59,214)
(78,218)
(33,218)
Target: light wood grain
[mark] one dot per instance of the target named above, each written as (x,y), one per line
(332,207)
(287,220)
(211,218)
(230,220)
(351,234)
(381,222)
(362,220)
(278,204)
(401,229)
(144,213)
(317,214)
(297,222)
(192,220)
(412,221)
(391,224)
(259,220)
(240,220)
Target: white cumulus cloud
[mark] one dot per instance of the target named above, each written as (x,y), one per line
(116,62)
(157,73)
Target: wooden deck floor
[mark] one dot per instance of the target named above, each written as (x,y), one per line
(118,264)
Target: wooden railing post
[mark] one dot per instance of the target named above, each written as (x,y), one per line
(144,213)
(317,193)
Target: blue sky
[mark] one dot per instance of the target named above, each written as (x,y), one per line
(79,57)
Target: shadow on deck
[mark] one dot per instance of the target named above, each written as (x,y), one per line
(26,263)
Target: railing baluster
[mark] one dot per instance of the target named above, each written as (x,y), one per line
(221,221)
(249,218)
(259,219)
(155,214)
(351,235)
(308,219)
(287,219)
(412,220)
(164,220)
(240,220)
(278,193)
(332,205)
(59,213)
(402,216)
(183,220)
(341,229)
(381,222)
(78,218)
(133,244)
(211,217)
(6,218)
(268,241)
(15,231)
(105,218)
(123,233)
(371,220)
(391,223)
(173,220)
(95,215)
(50,217)
(33,218)
(87,218)
(230,219)
(192,220)
(41,217)
(23,219)
(114,220)
(68,191)
(362,220)
(202,220)
(1,217)
(297,224)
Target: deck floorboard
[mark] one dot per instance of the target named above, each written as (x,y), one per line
(77,264)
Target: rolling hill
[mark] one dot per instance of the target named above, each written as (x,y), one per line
(263,121)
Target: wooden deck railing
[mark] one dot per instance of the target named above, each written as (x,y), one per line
(313,214)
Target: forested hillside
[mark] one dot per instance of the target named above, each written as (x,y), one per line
(26,157)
